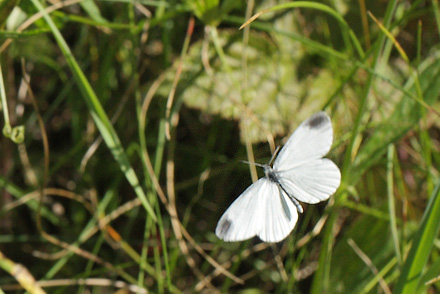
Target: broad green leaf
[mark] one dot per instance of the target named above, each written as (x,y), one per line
(267,99)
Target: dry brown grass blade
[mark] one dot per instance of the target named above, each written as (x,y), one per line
(83,282)
(170,99)
(254,17)
(262,246)
(244,254)
(386,289)
(44,234)
(211,260)
(30,175)
(403,54)
(363,12)
(175,222)
(177,226)
(164,200)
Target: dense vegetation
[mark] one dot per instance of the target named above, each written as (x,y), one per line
(125,123)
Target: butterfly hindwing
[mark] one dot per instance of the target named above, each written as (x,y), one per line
(262,210)
(312,181)
(280,216)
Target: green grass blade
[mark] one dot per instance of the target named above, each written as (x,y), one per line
(405,116)
(321,281)
(391,205)
(98,114)
(18,193)
(423,241)
(323,8)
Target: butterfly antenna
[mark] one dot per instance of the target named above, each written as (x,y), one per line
(252,163)
(274,155)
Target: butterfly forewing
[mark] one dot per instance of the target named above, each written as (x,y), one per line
(243,219)
(311,140)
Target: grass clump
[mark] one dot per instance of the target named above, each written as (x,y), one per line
(124,124)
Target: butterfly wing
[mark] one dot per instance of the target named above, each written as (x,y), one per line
(312,181)
(299,166)
(243,219)
(262,210)
(311,140)
(280,216)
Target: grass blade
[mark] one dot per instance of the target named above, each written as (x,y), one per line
(316,6)
(411,274)
(98,114)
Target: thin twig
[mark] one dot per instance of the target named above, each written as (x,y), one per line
(370,265)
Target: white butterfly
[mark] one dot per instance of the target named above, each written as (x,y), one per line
(269,207)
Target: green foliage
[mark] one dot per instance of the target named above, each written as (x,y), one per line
(211,12)
(178,103)
(6,7)
(410,280)
(272,87)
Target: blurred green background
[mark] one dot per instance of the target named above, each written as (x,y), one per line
(124,124)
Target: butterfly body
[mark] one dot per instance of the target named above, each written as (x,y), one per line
(272,176)
(269,207)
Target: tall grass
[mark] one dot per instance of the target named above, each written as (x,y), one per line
(179,96)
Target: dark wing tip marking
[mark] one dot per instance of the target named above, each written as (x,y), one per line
(317,120)
(224,227)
